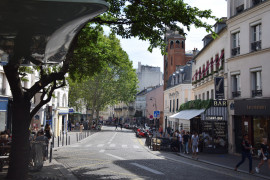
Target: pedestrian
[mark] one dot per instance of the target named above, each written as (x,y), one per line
(81,127)
(115,126)
(195,143)
(185,142)
(180,138)
(48,133)
(169,130)
(265,155)
(121,126)
(246,153)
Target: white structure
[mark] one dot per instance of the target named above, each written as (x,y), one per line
(210,63)
(248,70)
(148,76)
(179,91)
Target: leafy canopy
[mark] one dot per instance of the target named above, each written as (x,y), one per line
(149,19)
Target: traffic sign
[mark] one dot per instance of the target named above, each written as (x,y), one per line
(156,114)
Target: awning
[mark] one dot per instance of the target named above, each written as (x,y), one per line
(188,114)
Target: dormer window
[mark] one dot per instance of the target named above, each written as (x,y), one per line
(240,9)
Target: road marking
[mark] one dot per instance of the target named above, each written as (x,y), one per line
(100,145)
(124,146)
(112,145)
(117,157)
(147,169)
(102,151)
(136,147)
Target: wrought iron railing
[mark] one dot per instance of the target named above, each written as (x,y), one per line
(255,46)
(256,93)
(236,94)
(235,51)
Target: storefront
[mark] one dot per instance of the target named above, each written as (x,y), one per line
(214,130)
(252,117)
(3,113)
(211,125)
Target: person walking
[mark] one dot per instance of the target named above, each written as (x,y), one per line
(180,138)
(121,126)
(265,155)
(48,133)
(115,126)
(195,143)
(185,142)
(246,153)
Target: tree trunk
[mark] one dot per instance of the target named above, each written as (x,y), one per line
(19,156)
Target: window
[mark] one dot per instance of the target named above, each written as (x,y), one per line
(235,43)
(199,96)
(207,95)
(171,45)
(256,2)
(256,37)
(183,46)
(256,82)
(236,91)
(177,44)
(170,105)
(177,104)
(196,97)
(2,89)
(212,94)
(203,96)
(173,105)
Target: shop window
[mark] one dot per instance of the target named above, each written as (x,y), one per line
(256,82)
(236,91)
(256,37)
(261,129)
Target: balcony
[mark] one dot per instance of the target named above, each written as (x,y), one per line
(256,93)
(2,91)
(236,94)
(235,51)
(255,46)
(256,2)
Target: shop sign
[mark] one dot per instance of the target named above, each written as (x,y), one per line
(219,87)
(252,107)
(220,103)
(209,118)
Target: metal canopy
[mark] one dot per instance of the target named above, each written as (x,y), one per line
(43,29)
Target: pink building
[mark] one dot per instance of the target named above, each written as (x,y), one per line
(154,102)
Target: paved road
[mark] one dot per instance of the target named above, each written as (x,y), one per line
(111,154)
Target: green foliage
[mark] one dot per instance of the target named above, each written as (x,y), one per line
(149,19)
(110,81)
(196,104)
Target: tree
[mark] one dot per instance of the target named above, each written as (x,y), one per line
(114,83)
(145,19)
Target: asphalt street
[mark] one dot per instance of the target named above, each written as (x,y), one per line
(116,154)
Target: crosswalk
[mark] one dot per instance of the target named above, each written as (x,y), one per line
(123,146)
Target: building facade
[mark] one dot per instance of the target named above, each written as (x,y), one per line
(248,75)
(148,76)
(176,54)
(178,92)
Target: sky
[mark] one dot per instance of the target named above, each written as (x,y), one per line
(137,49)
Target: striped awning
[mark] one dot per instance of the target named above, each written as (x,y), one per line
(188,114)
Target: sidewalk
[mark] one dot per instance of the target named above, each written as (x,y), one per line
(54,170)
(227,161)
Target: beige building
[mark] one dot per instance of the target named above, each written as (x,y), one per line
(178,91)
(248,71)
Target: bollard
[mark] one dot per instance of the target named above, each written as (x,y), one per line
(68,140)
(53,139)
(51,152)
(58,141)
